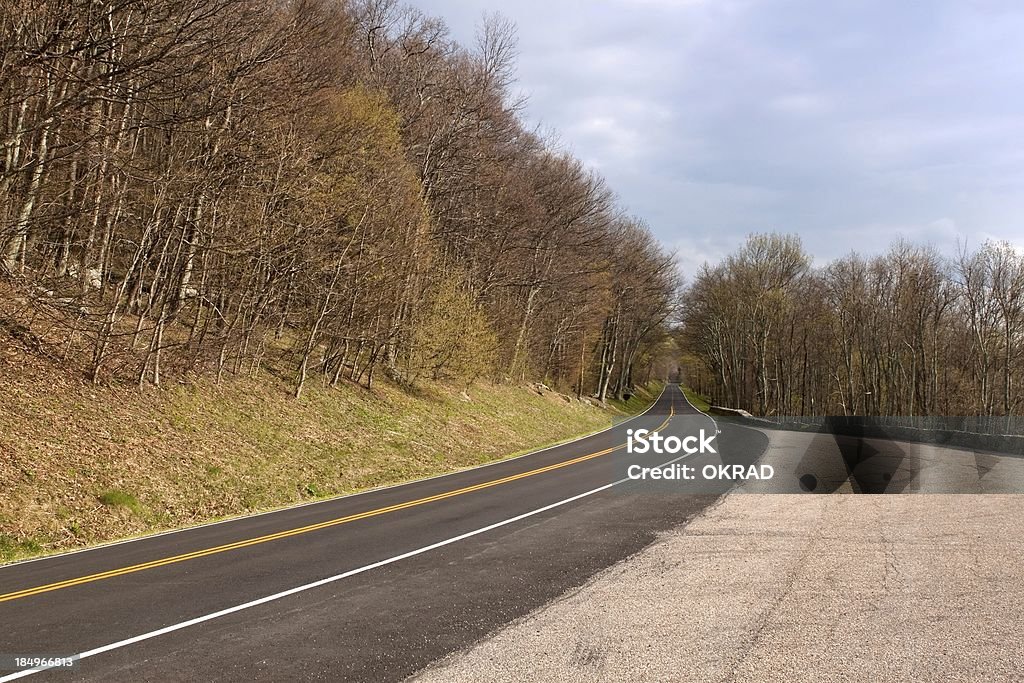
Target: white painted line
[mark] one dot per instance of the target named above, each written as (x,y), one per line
(322,582)
(707,415)
(322,501)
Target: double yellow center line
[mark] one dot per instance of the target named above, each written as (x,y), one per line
(24,593)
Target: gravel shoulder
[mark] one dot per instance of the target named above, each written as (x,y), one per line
(787,588)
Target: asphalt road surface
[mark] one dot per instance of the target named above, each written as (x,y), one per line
(366,587)
(855,588)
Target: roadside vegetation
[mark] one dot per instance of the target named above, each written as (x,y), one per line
(254,253)
(325,190)
(699,401)
(639,400)
(84,464)
(908,333)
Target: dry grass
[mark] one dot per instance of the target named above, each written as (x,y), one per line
(81,464)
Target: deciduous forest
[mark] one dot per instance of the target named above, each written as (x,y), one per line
(906,333)
(335,189)
(327,189)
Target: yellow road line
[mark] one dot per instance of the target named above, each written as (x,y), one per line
(24,593)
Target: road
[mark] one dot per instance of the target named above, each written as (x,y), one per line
(794,587)
(372,586)
(809,588)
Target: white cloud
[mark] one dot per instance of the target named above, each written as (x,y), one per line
(848,123)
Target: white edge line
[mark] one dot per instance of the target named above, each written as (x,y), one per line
(316,584)
(322,501)
(718,430)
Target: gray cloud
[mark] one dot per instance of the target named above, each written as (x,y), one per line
(847,122)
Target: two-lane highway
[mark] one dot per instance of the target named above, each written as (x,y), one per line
(366,587)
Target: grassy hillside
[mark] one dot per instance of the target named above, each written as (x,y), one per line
(699,401)
(81,464)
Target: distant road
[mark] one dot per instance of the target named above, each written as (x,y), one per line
(366,587)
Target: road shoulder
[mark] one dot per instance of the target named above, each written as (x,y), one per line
(788,587)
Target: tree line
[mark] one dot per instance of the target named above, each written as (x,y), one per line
(909,332)
(323,188)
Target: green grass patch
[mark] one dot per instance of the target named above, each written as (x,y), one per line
(120,499)
(12,548)
(313,491)
(701,403)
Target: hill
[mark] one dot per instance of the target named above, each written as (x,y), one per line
(84,464)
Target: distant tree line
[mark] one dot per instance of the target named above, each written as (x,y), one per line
(906,333)
(201,187)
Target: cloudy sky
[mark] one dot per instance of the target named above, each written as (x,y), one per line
(848,122)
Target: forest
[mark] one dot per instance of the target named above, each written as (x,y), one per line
(907,333)
(329,190)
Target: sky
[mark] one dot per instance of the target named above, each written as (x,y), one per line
(848,122)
